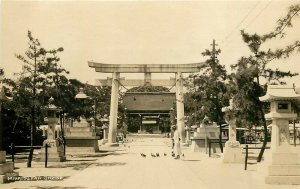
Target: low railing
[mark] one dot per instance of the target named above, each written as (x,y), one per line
(247,148)
(13,147)
(214,142)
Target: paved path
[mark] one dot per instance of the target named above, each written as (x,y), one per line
(126,169)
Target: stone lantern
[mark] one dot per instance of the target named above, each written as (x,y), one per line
(285,166)
(233,153)
(188,134)
(55,145)
(104,120)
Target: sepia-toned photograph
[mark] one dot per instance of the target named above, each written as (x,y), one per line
(154,94)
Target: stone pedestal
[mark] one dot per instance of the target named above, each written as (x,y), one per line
(233,153)
(81,138)
(6,169)
(201,138)
(285,165)
(55,152)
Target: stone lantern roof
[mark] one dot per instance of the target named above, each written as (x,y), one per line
(280,92)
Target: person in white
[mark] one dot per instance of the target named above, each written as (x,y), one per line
(177,148)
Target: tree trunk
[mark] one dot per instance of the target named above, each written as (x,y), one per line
(265,141)
(32,128)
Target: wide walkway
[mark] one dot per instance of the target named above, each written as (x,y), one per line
(127,169)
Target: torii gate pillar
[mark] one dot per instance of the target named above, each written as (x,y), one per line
(180,106)
(113,117)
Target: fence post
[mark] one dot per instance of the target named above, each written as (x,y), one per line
(46,155)
(12,147)
(246,157)
(209,148)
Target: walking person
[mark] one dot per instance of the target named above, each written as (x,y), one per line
(177,147)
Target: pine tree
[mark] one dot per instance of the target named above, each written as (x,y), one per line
(208,91)
(246,81)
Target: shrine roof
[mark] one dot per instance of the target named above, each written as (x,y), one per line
(149,101)
(280,92)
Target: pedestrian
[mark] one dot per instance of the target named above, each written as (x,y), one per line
(177,147)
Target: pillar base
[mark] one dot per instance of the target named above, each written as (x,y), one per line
(55,152)
(233,153)
(285,169)
(6,169)
(103,141)
(185,144)
(112,144)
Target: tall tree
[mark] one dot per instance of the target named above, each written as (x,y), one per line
(31,80)
(250,71)
(208,90)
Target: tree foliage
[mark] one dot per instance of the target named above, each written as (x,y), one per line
(207,90)
(43,77)
(250,71)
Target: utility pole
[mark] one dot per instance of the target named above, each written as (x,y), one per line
(218,108)
(214,51)
(33,114)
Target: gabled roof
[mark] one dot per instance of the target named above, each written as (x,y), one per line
(280,92)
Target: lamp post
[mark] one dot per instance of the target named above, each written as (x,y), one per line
(125,123)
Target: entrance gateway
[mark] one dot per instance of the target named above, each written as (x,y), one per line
(147,69)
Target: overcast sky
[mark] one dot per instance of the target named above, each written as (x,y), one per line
(139,32)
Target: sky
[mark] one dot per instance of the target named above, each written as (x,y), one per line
(140,32)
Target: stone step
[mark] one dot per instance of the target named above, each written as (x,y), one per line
(80,133)
(285,159)
(50,155)
(71,129)
(289,170)
(51,159)
(84,124)
(6,167)
(81,150)
(288,180)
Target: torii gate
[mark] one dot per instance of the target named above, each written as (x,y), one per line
(147,69)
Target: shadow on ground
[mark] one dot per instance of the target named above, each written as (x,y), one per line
(57,187)
(191,160)
(83,165)
(53,187)
(111,164)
